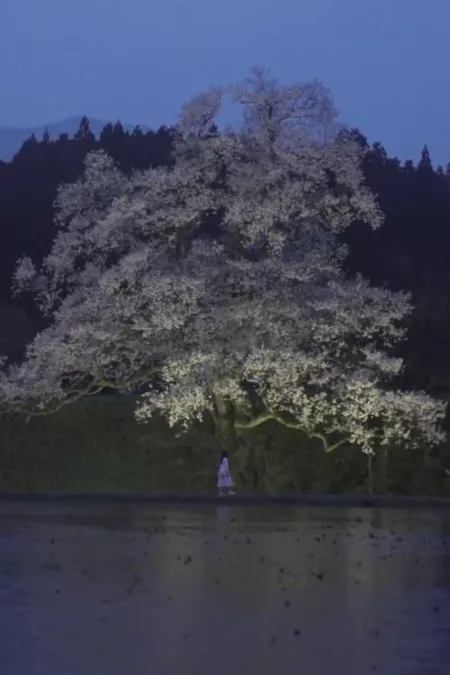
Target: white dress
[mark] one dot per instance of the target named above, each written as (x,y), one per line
(224,479)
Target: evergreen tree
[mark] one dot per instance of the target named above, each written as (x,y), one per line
(28,148)
(84,134)
(447,172)
(425,163)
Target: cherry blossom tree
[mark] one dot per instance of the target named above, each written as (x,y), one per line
(216,286)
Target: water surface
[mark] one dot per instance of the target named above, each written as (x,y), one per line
(212,590)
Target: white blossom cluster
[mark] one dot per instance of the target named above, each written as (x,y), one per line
(219,279)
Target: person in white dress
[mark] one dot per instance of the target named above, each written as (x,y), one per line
(225,483)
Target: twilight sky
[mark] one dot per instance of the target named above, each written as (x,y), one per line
(386,61)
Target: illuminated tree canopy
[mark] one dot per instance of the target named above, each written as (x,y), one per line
(216,285)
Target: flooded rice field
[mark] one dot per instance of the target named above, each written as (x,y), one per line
(214,590)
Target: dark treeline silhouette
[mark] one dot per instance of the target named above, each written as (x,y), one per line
(409,252)
(28,186)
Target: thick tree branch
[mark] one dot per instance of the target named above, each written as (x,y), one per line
(134,381)
(91,390)
(94,387)
(268,415)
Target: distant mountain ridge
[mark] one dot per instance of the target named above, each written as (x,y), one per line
(11,138)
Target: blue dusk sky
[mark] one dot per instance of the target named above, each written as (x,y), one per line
(387,62)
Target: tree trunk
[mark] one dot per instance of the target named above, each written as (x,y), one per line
(370,474)
(424,478)
(224,430)
(381,469)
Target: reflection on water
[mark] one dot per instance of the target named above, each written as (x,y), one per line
(218,590)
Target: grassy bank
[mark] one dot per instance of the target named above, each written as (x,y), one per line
(95,445)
